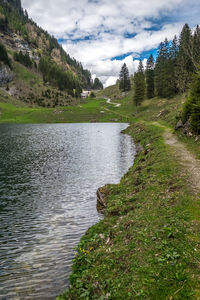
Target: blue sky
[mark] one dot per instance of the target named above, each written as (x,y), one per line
(103,34)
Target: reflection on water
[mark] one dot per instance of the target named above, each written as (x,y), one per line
(49,175)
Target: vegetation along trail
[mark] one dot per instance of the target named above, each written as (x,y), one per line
(190,164)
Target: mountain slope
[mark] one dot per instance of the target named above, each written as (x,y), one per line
(33,52)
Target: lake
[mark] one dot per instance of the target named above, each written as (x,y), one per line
(49,175)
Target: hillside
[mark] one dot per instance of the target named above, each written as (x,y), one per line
(40,72)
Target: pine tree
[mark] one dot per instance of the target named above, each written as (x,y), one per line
(196,47)
(26,14)
(165,71)
(97,84)
(124,79)
(172,65)
(150,77)
(139,85)
(185,63)
(174,48)
(161,69)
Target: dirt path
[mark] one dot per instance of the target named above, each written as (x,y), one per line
(109,101)
(191,165)
(185,157)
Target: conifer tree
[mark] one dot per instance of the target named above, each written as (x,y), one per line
(185,64)
(165,69)
(196,47)
(161,68)
(124,79)
(97,84)
(139,85)
(150,77)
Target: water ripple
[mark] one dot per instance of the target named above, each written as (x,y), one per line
(49,175)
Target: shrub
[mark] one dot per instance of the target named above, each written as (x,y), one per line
(4,55)
(191,109)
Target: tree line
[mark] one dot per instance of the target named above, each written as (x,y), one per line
(176,70)
(60,77)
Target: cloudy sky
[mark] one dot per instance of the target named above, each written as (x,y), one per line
(103,34)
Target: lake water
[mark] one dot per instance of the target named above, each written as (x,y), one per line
(49,175)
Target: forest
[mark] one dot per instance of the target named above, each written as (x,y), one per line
(176,70)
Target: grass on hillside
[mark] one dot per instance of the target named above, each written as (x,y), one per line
(24,74)
(91,111)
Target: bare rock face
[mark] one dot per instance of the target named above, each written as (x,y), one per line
(5,74)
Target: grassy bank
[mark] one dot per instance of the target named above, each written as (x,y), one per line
(147,245)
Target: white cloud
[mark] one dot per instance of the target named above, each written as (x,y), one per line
(107,23)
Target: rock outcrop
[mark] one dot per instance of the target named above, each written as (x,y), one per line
(5,74)
(102,194)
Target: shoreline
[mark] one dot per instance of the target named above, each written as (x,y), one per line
(139,247)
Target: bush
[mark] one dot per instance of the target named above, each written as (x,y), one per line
(4,55)
(191,109)
(24,59)
(92,95)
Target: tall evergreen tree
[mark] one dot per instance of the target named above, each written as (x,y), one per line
(150,77)
(185,64)
(174,49)
(172,65)
(124,79)
(164,69)
(97,84)
(196,47)
(139,85)
(160,68)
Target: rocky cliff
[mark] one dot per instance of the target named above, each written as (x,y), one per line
(5,74)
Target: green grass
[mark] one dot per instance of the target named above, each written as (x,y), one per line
(24,74)
(146,246)
(91,111)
